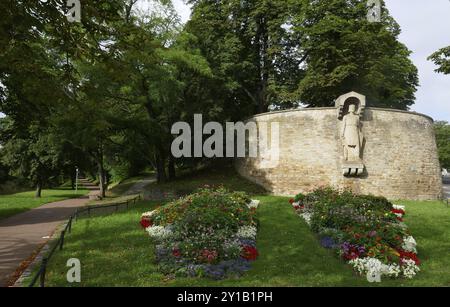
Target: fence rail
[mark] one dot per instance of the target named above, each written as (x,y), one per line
(59,243)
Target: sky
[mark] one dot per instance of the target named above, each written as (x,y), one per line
(425,28)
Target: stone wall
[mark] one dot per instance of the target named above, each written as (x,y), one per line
(400,155)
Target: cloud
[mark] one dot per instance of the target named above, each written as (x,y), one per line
(183,10)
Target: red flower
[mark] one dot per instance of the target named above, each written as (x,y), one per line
(208,256)
(291,201)
(296,207)
(404,255)
(145,223)
(176,253)
(398,211)
(249,253)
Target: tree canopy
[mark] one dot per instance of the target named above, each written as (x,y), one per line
(442,59)
(443,142)
(103,94)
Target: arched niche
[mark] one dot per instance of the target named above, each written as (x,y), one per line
(354,98)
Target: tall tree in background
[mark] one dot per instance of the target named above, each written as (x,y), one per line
(345,52)
(249,45)
(443,142)
(37,48)
(136,86)
(442,59)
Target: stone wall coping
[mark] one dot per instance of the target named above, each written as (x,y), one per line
(333,108)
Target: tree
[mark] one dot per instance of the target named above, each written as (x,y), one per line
(248,43)
(442,59)
(138,82)
(443,142)
(38,47)
(30,155)
(345,52)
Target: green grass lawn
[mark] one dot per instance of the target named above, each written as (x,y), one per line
(115,251)
(20,202)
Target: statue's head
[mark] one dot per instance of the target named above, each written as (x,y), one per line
(352,108)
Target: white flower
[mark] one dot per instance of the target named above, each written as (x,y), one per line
(410,269)
(409,244)
(247,232)
(392,270)
(307,217)
(149,214)
(159,232)
(253,204)
(375,267)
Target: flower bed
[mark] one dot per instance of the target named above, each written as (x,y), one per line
(366,231)
(211,233)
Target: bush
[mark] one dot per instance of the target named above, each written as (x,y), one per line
(209,233)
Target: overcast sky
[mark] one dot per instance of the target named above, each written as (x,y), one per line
(425,29)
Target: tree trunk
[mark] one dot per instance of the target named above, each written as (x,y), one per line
(171,168)
(101,175)
(160,168)
(38,190)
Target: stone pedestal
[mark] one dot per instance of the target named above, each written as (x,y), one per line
(352,169)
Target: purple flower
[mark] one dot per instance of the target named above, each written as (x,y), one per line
(328,242)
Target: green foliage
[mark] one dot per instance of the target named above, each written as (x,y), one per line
(103,94)
(345,52)
(442,59)
(3,172)
(442,130)
(339,210)
(255,58)
(218,209)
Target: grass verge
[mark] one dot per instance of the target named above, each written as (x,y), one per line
(20,202)
(115,251)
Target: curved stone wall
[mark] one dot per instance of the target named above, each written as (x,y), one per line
(399,154)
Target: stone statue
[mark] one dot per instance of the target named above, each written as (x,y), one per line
(350,109)
(351,135)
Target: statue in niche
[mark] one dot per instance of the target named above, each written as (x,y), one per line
(351,135)
(351,108)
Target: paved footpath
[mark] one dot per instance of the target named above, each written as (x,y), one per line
(22,235)
(140,186)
